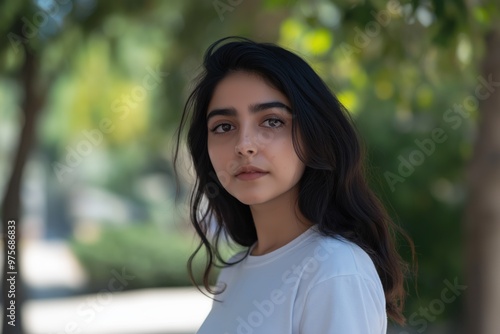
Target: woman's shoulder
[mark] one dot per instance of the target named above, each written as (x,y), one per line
(337,256)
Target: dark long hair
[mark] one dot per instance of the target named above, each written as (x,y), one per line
(333,191)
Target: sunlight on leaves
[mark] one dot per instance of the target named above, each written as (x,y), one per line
(317,42)
(349,99)
(464,49)
(93,93)
(424,96)
(290,33)
(481,15)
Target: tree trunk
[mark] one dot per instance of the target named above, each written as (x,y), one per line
(482,218)
(11,204)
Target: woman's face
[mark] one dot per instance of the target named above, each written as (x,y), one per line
(250,139)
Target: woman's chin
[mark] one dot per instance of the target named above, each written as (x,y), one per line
(250,200)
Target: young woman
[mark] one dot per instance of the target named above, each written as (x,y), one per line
(280,172)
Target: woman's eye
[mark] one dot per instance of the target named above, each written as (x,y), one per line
(222,128)
(274,122)
(226,127)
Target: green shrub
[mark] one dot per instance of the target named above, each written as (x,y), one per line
(156,258)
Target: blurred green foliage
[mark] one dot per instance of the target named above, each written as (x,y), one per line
(153,256)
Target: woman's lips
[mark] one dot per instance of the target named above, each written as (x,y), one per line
(248,176)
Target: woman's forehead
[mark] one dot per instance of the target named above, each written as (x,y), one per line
(245,88)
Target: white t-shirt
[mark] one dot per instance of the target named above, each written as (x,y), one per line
(312,285)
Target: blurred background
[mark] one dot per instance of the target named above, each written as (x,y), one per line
(90,96)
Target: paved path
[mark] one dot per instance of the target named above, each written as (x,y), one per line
(49,265)
(172,310)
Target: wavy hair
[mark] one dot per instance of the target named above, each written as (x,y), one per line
(333,191)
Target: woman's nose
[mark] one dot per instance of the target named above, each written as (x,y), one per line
(246,145)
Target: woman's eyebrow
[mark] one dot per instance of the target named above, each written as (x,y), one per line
(254,108)
(269,105)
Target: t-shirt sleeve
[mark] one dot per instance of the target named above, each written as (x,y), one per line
(347,304)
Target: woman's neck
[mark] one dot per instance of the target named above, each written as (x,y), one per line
(277,223)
